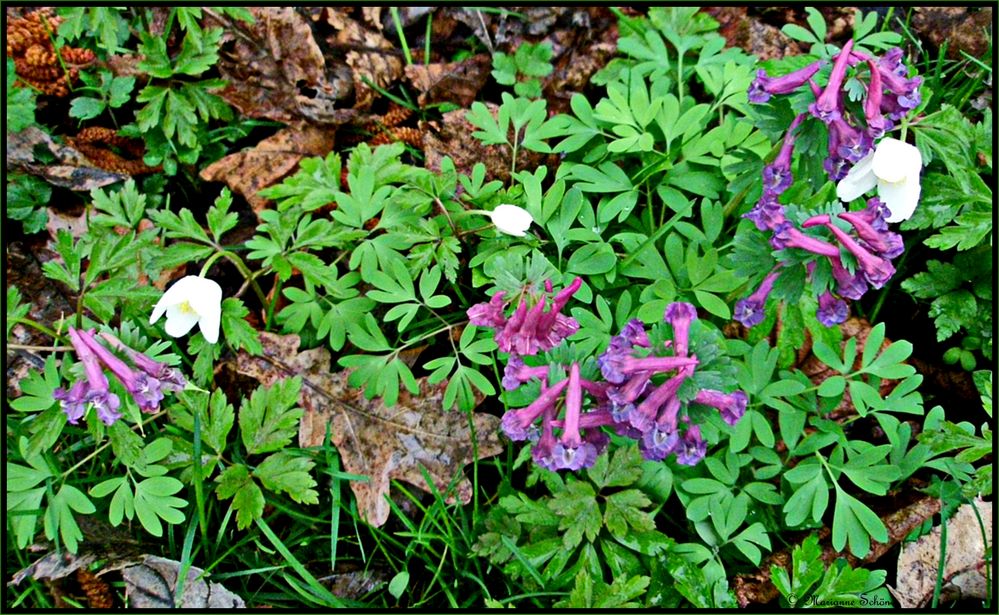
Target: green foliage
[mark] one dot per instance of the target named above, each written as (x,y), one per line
(839,585)
(20,102)
(27,197)
(523,69)
(108,92)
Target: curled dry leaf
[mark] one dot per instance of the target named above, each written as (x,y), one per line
(366,51)
(251,170)
(965,570)
(457,82)
(70,168)
(153,584)
(373,440)
(274,69)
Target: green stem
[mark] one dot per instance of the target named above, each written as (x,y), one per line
(426,38)
(219,253)
(197,477)
(402,37)
(943,560)
(40,327)
(247,274)
(97,451)
(270,306)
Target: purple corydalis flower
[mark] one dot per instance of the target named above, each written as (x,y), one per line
(104,401)
(767,213)
(692,447)
(74,401)
(518,424)
(893,74)
(642,416)
(750,311)
(731,406)
(763,87)
(885,243)
(786,236)
(633,334)
(679,315)
(877,270)
(777,175)
(832,310)
(877,123)
(828,107)
(143,388)
(516,373)
(627,392)
(489,314)
(662,438)
(170,378)
(572,452)
(542,450)
(847,142)
(617,366)
(531,329)
(849,285)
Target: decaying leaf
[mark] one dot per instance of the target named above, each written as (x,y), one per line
(369,55)
(69,169)
(269,161)
(452,136)
(457,82)
(375,441)
(114,547)
(274,69)
(153,584)
(965,571)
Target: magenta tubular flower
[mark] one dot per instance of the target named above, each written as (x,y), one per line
(885,243)
(171,380)
(877,270)
(763,87)
(74,401)
(750,311)
(488,314)
(904,91)
(625,394)
(145,390)
(518,424)
(679,315)
(644,414)
(97,393)
(507,337)
(849,285)
(786,236)
(632,334)
(850,144)
(617,366)
(662,438)
(828,107)
(877,123)
(832,310)
(767,213)
(543,450)
(692,447)
(572,452)
(777,175)
(731,406)
(516,373)
(531,329)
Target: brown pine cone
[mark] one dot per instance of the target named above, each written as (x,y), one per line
(98,592)
(77,55)
(412,136)
(396,115)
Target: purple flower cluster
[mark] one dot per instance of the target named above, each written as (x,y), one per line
(146,384)
(890,95)
(530,329)
(626,400)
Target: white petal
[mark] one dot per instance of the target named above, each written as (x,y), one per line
(210,321)
(179,321)
(896,160)
(511,219)
(205,296)
(859,179)
(900,198)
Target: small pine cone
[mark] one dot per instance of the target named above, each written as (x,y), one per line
(98,134)
(39,56)
(78,56)
(98,592)
(396,115)
(412,136)
(19,38)
(36,75)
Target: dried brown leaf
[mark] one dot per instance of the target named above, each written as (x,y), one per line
(153,584)
(965,568)
(374,440)
(70,170)
(367,52)
(251,170)
(274,69)
(457,82)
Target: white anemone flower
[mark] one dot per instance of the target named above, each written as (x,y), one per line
(894,168)
(192,300)
(511,219)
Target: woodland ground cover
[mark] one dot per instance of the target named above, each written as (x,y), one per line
(469,308)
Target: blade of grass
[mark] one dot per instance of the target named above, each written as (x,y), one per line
(314,585)
(402,37)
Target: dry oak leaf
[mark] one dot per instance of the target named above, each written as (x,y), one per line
(71,169)
(373,440)
(274,69)
(251,170)
(965,571)
(367,52)
(457,82)
(153,584)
